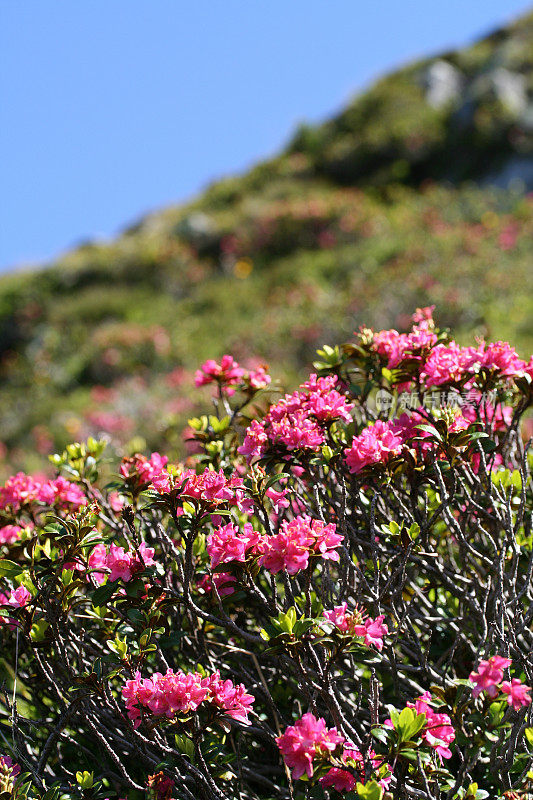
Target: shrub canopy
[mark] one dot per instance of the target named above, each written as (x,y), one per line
(332,597)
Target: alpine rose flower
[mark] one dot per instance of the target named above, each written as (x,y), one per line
(19,597)
(299,539)
(370,630)
(438,731)
(22,490)
(307,739)
(124,564)
(223,581)
(377,444)
(489,675)
(227,374)
(9,534)
(298,420)
(344,781)
(228,544)
(182,693)
(517,693)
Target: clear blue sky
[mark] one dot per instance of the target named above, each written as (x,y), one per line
(111,108)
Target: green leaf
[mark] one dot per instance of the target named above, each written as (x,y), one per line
(185,745)
(104,593)
(370,791)
(8,569)
(38,630)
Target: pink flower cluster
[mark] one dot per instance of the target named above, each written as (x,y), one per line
(449,363)
(290,549)
(18,598)
(395,347)
(9,534)
(438,731)
(230,375)
(478,409)
(117,562)
(144,470)
(228,544)
(227,374)
(500,357)
(376,444)
(214,489)
(489,679)
(298,540)
(380,442)
(343,781)
(297,421)
(354,623)
(223,581)
(182,693)
(444,364)
(24,490)
(309,741)
(210,489)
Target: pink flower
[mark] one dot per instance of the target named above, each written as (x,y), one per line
(502,358)
(228,373)
(344,781)
(375,445)
(228,544)
(423,315)
(340,779)
(122,564)
(182,693)
(62,494)
(98,558)
(255,441)
(116,501)
(223,581)
(339,617)
(517,693)
(233,700)
(19,597)
(397,347)
(306,739)
(448,363)
(278,499)
(9,534)
(19,490)
(299,539)
(119,563)
(258,378)
(142,470)
(298,420)
(213,489)
(370,630)
(438,731)
(489,675)
(478,409)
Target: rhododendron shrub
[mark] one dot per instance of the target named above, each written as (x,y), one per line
(332,598)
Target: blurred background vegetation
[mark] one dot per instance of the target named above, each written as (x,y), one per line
(419,192)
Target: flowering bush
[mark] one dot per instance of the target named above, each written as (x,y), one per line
(331,599)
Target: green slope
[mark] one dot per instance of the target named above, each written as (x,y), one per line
(359,221)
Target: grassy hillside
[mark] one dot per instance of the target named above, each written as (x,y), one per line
(384,208)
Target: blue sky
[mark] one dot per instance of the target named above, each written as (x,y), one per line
(111,108)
